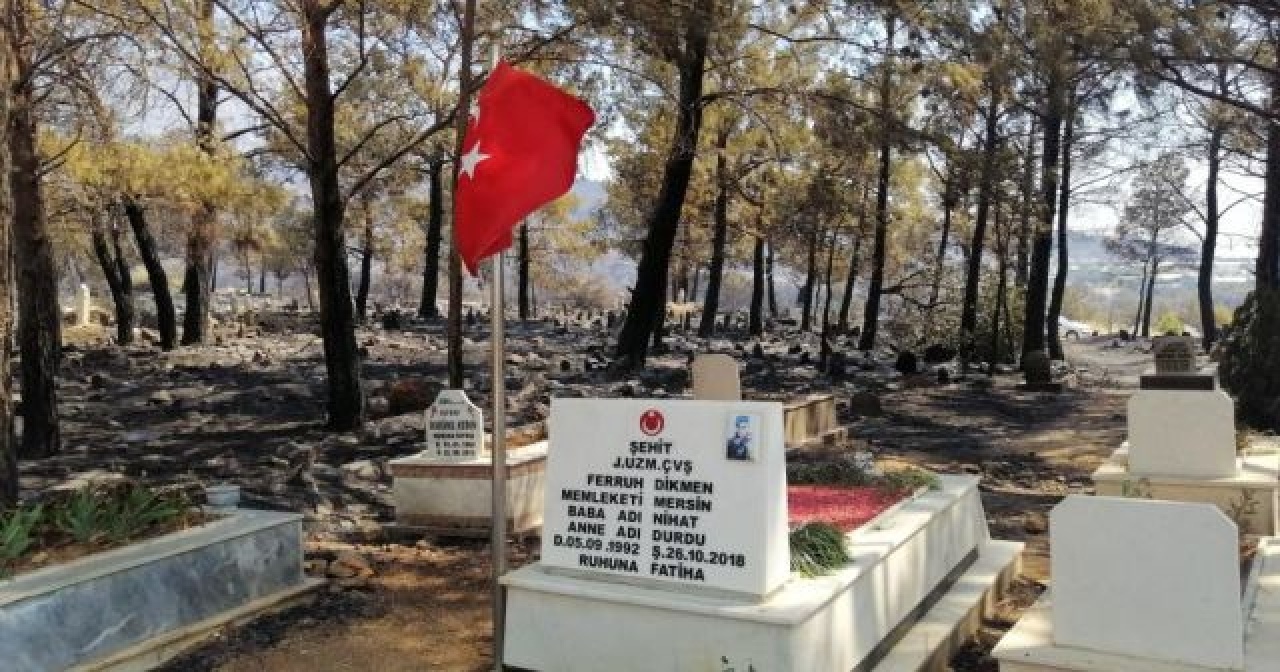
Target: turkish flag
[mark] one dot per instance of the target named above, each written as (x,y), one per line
(520,153)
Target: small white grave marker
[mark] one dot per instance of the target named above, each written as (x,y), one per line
(715,378)
(454,427)
(1150,579)
(687,494)
(84,305)
(1188,433)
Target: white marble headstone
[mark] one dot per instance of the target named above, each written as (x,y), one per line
(715,378)
(454,427)
(1189,433)
(1149,579)
(84,305)
(687,495)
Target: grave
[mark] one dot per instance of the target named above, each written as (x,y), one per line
(1182,446)
(84,306)
(716,378)
(1152,586)
(446,489)
(812,421)
(665,547)
(1176,366)
(807,422)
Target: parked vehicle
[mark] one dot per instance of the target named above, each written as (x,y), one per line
(1072,329)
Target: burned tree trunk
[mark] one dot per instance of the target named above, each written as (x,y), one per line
(198,282)
(8,450)
(337,323)
(522,293)
(166,318)
(986,193)
(1060,278)
(1208,247)
(824,356)
(1033,329)
(810,281)
(647,305)
(366,265)
(720,217)
(1151,297)
(39,321)
(871,312)
(939,262)
(115,268)
(851,280)
(768,272)
(755,322)
(435,227)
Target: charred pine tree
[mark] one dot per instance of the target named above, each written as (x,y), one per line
(337,321)
(720,237)
(522,292)
(755,321)
(1064,203)
(366,264)
(8,450)
(647,308)
(435,228)
(39,318)
(871,312)
(166,317)
(115,268)
(1033,325)
(198,280)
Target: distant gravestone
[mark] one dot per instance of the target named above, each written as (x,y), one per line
(454,427)
(1174,354)
(84,306)
(1151,579)
(715,378)
(1182,433)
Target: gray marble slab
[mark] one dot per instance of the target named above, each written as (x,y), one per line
(75,613)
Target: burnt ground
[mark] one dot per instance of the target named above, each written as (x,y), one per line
(249,410)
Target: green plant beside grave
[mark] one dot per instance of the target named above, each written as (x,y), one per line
(817,549)
(851,471)
(17,535)
(909,479)
(89,520)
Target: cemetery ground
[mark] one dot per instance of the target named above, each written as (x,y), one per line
(245,411)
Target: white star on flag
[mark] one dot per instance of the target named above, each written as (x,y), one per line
(472,159)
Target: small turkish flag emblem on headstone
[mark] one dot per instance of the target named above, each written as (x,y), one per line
(652,422)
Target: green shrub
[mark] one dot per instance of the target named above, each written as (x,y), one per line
(844,471)
(909,479)
(1250,363)
(137,509)
(817,549)
(16,535)
(1169,324)
(83,516)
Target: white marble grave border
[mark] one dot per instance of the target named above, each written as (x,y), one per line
(830,623)
(148,600)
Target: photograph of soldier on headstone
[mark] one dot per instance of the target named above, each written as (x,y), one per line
(742,432)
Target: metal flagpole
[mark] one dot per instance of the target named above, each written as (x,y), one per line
(498,524)
(498,521)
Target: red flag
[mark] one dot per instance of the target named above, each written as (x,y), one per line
(521,152)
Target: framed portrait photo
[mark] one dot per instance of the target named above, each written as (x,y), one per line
(742,437)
